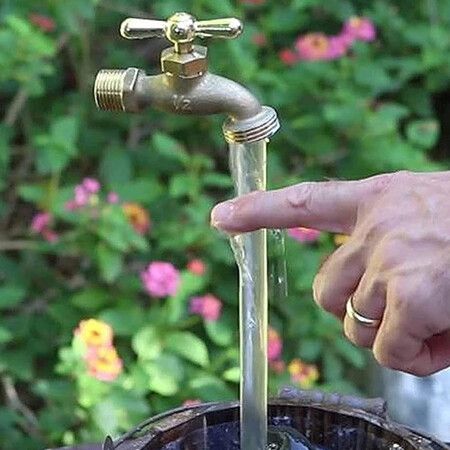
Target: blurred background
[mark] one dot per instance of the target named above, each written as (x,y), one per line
(117,299)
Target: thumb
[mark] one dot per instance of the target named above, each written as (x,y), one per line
(330,206)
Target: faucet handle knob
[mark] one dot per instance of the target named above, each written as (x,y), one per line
(228,28)
(142,28)
(181,29)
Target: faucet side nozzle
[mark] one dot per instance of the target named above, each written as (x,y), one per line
(113,89)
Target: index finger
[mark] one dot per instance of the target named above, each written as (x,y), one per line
(330,206)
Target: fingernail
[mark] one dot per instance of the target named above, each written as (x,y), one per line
(315,289)
(222,214)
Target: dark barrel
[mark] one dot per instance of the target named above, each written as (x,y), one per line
(329,421)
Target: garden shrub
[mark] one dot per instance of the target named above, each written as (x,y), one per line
(118,300)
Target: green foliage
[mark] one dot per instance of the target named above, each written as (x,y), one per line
(365,113)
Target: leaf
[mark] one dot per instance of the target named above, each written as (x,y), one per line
(5,335)
(58,147)
(188,346)
(32,193)
(209,388)
(125,320)
(109,262)
(164,375)
(170,148)
(11,295)
(233,374)
(146,343)
(220,331)
(310,349)
(423,133)
(142,190)
(115,167)
(90,298)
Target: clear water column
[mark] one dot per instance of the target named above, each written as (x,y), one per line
(248,167)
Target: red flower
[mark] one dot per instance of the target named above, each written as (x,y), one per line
(45,23)
(288,56)
(197,267)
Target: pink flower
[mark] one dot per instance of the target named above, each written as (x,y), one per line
(112,198)
(302,234)
(275,345)
(91,185)
(161,279)
(338,46)
(40,222)
(360,28)
(314,47)
(81,195)
(288,57)
(208,306)
(84,194)
(197,267)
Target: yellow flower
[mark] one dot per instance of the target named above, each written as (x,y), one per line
(304,374)
(340,239)
(104,363)
(94,333)
(137,216)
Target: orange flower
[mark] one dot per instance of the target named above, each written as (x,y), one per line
(340,239)
(304,374)
(104,363)
(137,216)
(94,333)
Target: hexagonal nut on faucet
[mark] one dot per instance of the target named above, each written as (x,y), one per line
(185,65)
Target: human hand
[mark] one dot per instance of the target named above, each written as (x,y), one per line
(395,266)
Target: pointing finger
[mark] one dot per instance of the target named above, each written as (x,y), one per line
(330,206)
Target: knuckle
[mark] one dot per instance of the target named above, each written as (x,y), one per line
(404,300)
(389,356)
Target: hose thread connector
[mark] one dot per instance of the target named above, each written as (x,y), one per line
(260,127)
(109,89)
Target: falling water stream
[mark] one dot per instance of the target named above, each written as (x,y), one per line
(248,168)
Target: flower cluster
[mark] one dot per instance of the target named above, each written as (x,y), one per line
(208,306)
(303,235)
(161,279)
(101,358)
(320,47)
(87,194)
(41,224)
(303,374)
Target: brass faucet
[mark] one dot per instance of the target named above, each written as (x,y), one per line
(185,86)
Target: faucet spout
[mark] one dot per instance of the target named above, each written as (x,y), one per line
(131,90)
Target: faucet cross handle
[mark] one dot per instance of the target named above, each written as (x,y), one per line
(181,29)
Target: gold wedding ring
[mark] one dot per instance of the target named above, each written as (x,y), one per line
(359,318)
